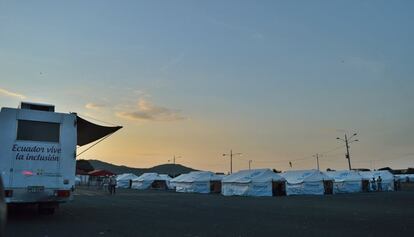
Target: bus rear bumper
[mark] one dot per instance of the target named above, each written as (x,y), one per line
(22,195)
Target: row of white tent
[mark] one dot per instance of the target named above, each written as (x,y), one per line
(144,181)
(404,178)
(302,182)
(263,182)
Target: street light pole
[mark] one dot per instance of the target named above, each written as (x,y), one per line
(231,159)
(347,152)
(317,160)
(347,142)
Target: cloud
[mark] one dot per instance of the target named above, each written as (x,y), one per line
(147,111)
(94,106)
(7,93)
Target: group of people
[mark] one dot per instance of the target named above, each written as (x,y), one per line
(376,185)
(110,183)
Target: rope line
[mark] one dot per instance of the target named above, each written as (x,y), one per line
(96,143)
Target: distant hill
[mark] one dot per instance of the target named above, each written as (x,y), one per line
(169,169)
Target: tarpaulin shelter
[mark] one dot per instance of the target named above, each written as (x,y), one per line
(97,177)
(386,176)
(88,132)
(125,180)
(257,182)
(151,180)
(346,181)
(100,173)
(197,182)
(307,182)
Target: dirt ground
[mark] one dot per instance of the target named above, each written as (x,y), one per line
(162,213)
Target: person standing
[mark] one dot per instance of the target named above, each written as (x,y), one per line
(379,183)
(106,183)
(112,184)
(373,184)
(397,184)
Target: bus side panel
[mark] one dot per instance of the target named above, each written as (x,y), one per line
(68,153)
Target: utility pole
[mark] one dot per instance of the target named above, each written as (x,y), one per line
(347,142)
(231,159)
(347,152)
(317,159)
(250,163)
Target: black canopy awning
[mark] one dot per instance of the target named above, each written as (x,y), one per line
(89,132)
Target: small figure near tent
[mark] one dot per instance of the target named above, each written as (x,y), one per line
(386,180)
(373,184)
(397,184)
(105,183)
(379,183)
(112,185)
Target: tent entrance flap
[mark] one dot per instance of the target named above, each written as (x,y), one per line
(89,132)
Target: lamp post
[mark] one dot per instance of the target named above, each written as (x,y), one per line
(347,142)
(317,159)
(231,154)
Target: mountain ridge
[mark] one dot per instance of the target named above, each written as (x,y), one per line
(170,169)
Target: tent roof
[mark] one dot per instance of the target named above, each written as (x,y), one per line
(344,175)
(126,176)
(385,174)
(152,176)
(256,175)
(197,176)
(165,177)
(100,173)
(89,132)
(300,176)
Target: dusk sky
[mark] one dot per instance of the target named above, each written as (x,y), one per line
(275,80)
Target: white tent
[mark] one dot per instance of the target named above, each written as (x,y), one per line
(404,178)
(386,176)
(346,181)
(123,180)
(258,182)
(195,182)
(82,179)
(77,180)
(146,180)
(302,182)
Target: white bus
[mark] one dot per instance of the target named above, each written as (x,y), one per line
(38,153)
